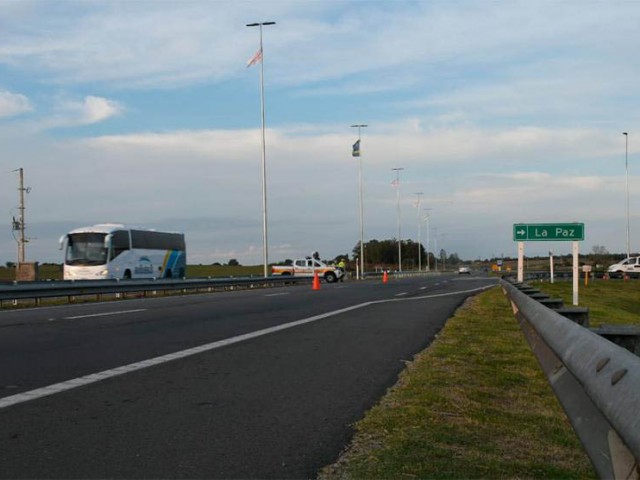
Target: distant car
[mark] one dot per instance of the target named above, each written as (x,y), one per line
(628,265)
(464,270)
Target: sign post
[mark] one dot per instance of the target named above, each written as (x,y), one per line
(550,232)
(521,262)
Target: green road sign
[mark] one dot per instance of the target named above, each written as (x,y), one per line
(548,232)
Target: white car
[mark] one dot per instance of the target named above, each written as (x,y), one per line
(464,270)
(628,265)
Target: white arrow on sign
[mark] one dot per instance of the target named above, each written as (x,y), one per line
(521,232)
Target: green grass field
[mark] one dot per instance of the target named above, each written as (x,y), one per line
(476,404)
(54,272)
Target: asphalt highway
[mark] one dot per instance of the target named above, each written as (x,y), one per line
(246,384)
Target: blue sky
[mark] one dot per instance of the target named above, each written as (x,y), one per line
(145,113)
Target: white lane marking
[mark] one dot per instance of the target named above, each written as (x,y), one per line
(276,294)
(105,314)
(401,294)
(115,372)
(423,288)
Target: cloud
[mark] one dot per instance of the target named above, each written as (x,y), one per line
(88,111)
(121,43)
(12,104)
(73,113)
(207,184)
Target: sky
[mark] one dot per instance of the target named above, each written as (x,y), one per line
(145,113)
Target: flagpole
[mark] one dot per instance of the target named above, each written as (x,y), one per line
(265,244)
(361,273)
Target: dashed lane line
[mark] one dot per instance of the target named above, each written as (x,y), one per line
(115,372)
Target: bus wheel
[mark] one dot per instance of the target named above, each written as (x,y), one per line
(127,275)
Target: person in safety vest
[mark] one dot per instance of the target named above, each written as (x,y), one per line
(341,266)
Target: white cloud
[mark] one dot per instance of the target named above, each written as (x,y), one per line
(12,104)
(207,183)
(73,113)
(142,44)
(97,109)
(498,111)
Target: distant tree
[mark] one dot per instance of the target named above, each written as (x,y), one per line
(599,250)
(11,265)
(453,259)
(385,252)
(233,263)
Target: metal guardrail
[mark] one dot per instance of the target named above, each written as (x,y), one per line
(596,382)
(72,289)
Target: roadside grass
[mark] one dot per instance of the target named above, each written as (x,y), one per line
(475,404)
(54,272)
(46,271)
(194,271)
(611,302)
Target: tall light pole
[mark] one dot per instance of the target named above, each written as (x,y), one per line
(626,165)
(419,194)
(357,153)
(397,185)
(428,244)
(435,247)
(259,56)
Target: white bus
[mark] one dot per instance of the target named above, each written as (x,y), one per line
(111,251)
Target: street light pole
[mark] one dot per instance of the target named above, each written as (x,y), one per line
(626,165)
(397,185)
(361,201)
(435,247)
(428,244)
(265,244)
(419,194)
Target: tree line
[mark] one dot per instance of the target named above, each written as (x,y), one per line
(385,253)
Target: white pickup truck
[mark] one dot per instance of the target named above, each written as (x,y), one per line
(306,267)
(629,265)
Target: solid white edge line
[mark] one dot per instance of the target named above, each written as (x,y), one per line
(105,314)
(115,372)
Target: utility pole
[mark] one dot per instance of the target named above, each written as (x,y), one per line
(18,225)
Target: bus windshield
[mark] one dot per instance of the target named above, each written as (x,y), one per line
(86,249)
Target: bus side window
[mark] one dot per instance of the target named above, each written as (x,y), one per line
(119,242)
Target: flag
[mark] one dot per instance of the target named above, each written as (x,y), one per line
(257,57)
(356,149)
(395,183)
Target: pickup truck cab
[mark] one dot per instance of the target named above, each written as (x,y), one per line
(306,267)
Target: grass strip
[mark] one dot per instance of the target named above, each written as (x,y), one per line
(611,302)
(475,404)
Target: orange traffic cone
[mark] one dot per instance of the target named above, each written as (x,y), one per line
(385,277)
(316,281)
